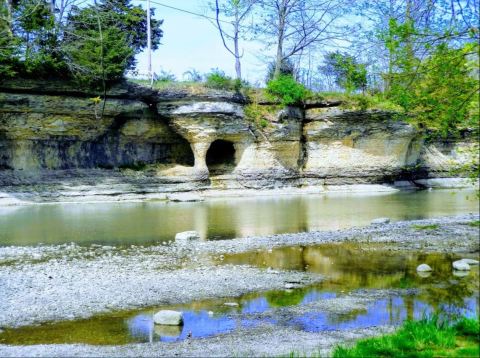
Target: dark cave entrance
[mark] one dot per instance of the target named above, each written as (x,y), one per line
(221,157)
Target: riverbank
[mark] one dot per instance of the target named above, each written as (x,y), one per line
(99,186)
(67,282)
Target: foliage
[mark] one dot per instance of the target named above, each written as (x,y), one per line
(34,34)
(95,42)
(445,92)
(438,90)
(348,73)
(217,79)
(286,90)
(193,75)
(287,69)
(164,76)
(425,338)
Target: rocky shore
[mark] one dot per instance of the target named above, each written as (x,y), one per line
(66,282)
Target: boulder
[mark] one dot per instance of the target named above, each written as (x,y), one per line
(380,221)
(460,265)
(424,268)
(186,237)
(168,318)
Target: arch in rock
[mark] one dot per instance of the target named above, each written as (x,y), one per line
(220,157)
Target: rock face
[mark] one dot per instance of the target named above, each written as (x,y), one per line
(168,318)
(57,137)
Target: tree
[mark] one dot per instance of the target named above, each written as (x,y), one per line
(293,26)
(237,11)
(445,94)
(348,73)
(8,42)
(101,41)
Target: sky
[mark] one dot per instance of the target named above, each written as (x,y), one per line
(191,41)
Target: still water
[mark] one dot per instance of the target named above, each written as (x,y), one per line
(346,272)
(150,222)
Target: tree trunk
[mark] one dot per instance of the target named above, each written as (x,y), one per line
(238,65)
(281,33)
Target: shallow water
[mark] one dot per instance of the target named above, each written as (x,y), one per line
(348,268)
(150,222)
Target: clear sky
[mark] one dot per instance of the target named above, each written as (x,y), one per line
(190,41)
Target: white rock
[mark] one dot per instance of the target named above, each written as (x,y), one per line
(424,268)
(470,261)
(380,221)
(168,318)
(187,236)
(461,265)
(231,304)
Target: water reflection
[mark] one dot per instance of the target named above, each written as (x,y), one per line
(145,223)
(386,311)
(349,270)
(195,325)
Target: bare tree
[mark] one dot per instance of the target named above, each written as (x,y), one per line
(294,26)
(235,14)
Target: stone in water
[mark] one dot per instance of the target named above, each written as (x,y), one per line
(187,236)
(380,221)
(461,265)
(168,318)
(424,268)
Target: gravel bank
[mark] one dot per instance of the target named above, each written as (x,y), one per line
(48,283)
(66,282)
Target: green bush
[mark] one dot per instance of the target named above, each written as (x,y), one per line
(217,79)
(286,90)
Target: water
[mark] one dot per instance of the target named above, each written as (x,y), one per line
(349,268)
(147,223)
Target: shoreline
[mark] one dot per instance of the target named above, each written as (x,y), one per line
(116,194)
(51,283)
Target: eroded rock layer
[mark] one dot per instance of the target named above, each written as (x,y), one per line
(164,141)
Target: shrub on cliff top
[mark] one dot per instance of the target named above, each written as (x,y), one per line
(286,90)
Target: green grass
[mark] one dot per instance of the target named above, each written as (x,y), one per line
(475,223)
(425,338)
(425,227)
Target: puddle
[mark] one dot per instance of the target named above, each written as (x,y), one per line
(349,270)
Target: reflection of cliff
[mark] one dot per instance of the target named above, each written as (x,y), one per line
(180,137)
(349,267)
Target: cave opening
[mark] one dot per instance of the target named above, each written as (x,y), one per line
(221,157)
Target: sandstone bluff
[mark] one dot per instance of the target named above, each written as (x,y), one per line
(58,143)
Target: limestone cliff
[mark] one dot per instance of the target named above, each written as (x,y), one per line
(54,134)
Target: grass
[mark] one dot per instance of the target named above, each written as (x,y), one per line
(425,338)
(475,223)
(425,227)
